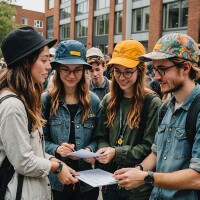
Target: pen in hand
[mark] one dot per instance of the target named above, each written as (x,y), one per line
(67,142)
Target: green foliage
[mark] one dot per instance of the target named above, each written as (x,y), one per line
(7,16)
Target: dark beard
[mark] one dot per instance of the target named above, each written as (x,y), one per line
(177,87)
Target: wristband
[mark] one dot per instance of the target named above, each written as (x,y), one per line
(139,165)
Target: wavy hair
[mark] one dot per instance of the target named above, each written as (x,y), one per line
(17,78)
(57,91)
(140,91)
(194,71)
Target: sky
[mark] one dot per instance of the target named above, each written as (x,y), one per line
(35,5)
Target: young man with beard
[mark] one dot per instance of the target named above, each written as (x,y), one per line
(176,163)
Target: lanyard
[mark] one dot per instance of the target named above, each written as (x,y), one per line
(122,128)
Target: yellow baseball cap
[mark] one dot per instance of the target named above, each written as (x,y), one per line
(126,53)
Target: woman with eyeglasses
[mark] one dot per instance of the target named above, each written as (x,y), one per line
(72,113)
(128,121)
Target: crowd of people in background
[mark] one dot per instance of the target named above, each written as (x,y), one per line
(56,99)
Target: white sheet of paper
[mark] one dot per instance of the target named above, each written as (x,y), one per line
(96,177)
(85,154)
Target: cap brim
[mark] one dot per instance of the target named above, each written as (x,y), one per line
(70,61)
(155,56)
(124,61)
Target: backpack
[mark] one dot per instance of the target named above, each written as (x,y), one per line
(7,170)
(190,124)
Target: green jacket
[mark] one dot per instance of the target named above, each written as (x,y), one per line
(136,143)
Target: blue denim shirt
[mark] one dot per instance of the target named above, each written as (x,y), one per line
(173,148)
(58,127)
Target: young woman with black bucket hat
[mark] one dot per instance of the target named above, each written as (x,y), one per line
(26,53)
(72,112)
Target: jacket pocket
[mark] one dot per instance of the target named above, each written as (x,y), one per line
(180,148)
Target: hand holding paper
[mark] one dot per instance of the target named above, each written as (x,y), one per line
(85,154)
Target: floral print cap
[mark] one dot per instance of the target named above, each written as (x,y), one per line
(174,45)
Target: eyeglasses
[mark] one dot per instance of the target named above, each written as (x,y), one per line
(126,74)
(161,70)
(66,72)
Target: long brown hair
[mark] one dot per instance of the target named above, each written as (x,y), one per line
(17,78)
(140,91)
(82,90)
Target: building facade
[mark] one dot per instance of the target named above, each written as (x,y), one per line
(103,23)
(31,18)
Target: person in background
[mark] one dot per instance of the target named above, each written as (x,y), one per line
(94,52)
(72,113)
(26,53)
(174,160)
(124,135)
(99,84)
(48,80)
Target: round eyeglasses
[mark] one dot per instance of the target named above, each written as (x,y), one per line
(66,72)
(161,70)
(126,74)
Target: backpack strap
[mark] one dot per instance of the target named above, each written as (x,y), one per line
(6,165)
(162,111)
(145,111)
(191,119)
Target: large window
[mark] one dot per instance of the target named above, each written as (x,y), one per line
(118,1)
(24,21)
(100,4)
(141,19)
(82,8)
(65,12)
(49,27)
(175,14)
(82,28)
(64,1)
(102,24)
(51,4)
(65,31)
(118,22)
(38,23)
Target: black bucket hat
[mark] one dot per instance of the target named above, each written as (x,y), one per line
(22,42)
(70,52)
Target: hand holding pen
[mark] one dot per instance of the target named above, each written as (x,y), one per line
(65,148)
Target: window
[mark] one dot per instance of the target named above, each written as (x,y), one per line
(65,12)
(141,19)
(24,21)
(100,4)
(38,24)
(49,27)
(82,8)
(51,4)
(65,31)
(63,1)
(118,1)
(102,24)
(175,14)
(82,28)
(118,22)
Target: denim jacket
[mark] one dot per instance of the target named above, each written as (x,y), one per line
(58,127)
(173,148)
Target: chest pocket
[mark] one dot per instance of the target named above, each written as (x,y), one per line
(56,128)
(180,148)
(160,136)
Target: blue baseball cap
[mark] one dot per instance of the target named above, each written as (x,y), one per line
(70,52)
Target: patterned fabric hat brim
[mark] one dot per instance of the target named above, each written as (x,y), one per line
(155,56)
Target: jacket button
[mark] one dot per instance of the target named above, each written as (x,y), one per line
(77,126)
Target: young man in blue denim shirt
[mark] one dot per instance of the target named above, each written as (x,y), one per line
(176,164)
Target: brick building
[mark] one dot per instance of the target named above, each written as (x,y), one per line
(102,23)
(31,18)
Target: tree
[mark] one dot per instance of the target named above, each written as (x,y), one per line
(7,16)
